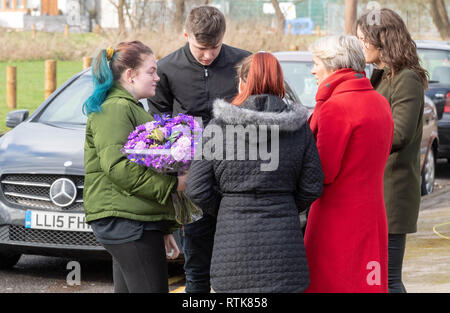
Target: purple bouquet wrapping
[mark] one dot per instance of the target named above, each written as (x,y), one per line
(167,145)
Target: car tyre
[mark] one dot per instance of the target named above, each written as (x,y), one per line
(428,175)
(8,259)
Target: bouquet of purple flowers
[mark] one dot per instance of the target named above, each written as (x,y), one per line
(167,145)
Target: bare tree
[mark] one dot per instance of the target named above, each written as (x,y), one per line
(120,6)
(435,8)
(139,13)
(131,14)
(350,15)
(280,16)
(180,6)
(440,18)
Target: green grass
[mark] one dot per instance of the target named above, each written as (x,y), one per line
(31,84)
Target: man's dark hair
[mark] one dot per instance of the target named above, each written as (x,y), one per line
(206,24)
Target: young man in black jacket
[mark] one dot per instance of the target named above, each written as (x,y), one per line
(191,78)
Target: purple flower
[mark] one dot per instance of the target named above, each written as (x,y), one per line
(175,141)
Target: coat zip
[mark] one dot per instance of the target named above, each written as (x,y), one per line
(206,82)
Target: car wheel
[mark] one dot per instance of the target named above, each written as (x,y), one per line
(8,259)
(428,174)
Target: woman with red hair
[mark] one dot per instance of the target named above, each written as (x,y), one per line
(257,192)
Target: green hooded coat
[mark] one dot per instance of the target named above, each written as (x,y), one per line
(115,186)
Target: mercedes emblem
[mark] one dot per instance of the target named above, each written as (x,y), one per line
(63,192)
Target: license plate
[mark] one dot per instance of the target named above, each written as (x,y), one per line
(56,221)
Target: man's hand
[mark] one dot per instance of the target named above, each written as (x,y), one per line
(172,251)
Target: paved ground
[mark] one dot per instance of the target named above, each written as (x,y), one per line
(426,266)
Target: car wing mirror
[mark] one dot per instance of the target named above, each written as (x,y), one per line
(14,118)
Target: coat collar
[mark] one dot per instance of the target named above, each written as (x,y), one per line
(117,91)
(343,80)
(261,110)
(378,75)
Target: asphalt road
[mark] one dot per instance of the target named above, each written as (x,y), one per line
(39,274)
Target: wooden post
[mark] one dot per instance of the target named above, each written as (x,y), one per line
(87,61)
(289,27)
(98,29)
(50,77)
(11,87)
(33,31)
(318,30)
(66,30)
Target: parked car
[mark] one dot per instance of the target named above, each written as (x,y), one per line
(42,178)
(297,67)
(435,58)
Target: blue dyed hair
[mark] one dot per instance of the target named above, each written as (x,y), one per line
(126,55)
(103,81)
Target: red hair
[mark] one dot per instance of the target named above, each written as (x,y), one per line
(261,73)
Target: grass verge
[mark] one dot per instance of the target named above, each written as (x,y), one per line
(31,84)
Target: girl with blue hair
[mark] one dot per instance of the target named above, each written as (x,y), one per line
(128,206)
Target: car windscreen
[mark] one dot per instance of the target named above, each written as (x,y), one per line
(66,107)
(299,77)
(437,63)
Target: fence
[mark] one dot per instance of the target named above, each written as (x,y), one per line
(50,80)
(329,15)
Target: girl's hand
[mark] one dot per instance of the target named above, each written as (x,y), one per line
(172,250)
(182,182)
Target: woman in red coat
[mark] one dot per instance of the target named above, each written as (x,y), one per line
(346,237)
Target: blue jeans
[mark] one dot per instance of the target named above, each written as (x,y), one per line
(197,241)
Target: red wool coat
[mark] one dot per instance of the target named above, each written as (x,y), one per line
(346,238)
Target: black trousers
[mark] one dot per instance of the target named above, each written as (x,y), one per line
(140,266)
(198,241)
(396,251)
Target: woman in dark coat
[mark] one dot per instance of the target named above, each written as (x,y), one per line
(257,196)
(401,80)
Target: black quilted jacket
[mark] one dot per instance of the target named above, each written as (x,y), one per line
(258,244)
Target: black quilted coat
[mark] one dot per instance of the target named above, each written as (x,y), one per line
(258,245)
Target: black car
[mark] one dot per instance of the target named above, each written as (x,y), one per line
(42,178)
(435,58)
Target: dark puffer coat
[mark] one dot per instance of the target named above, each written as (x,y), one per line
(258,244)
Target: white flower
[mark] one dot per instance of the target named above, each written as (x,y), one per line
(150,126)
(181,149)
(140,145)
